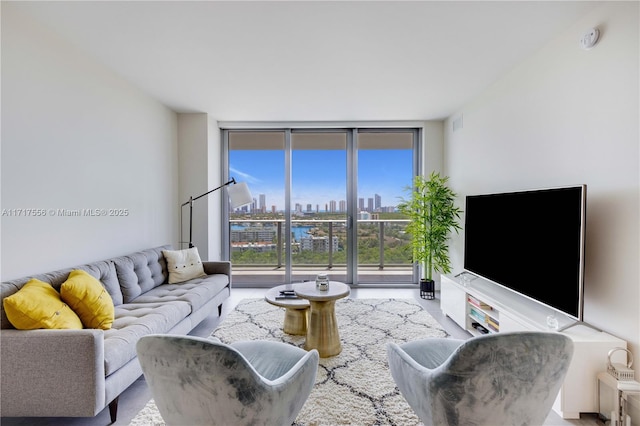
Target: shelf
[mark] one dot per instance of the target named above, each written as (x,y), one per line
(479,329)
(485,316)
(479,303)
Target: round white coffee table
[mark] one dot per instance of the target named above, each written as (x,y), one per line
(322,332)
(296,310)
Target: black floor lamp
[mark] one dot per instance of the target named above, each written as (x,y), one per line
(239,195)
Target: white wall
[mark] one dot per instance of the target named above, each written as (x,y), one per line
(77,136)
(192,177)
(214,168)
(433,143)
(199,156)
(568,116)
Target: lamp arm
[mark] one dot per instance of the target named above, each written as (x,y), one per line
(190,202)
(192,199)
(215,189)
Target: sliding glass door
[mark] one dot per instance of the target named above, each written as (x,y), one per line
(324,201)
(385,167)
(257,242)
(318,198)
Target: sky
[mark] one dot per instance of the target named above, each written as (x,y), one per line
(319,176)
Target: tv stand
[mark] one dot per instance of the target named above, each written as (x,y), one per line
(480,306)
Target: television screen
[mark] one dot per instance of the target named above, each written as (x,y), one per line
(531,242)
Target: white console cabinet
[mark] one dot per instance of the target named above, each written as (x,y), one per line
(480,307)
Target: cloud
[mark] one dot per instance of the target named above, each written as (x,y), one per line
(243,176)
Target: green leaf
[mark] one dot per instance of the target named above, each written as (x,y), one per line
(433,215)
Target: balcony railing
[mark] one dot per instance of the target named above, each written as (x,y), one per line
(382,243)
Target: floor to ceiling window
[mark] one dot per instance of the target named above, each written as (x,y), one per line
(385,166)
(324,201)
(256,240)
(318,211)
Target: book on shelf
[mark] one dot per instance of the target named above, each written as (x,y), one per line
(494,323)
(479,316)
(480,304)
(480,328)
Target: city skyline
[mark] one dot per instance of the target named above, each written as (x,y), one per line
(374,204)
(317,180)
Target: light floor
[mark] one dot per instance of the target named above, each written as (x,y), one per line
(137,395)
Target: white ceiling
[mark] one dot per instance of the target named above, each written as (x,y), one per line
(310,61)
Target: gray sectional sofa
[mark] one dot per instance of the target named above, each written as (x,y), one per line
(77,373)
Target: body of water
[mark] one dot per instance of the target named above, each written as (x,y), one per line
(299,231)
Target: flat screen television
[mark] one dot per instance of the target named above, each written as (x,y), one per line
(531,242)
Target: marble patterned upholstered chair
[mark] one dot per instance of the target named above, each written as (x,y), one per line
(498,379)
(197,381)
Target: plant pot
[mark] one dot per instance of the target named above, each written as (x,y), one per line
(427,289)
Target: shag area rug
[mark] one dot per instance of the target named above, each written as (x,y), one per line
(354,387)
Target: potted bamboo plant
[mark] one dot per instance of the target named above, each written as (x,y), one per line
(433,216)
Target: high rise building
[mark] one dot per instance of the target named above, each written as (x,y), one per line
(263,203)
(361,204)
(343,206)
(319,244)
(253,234)
(369,204)
(377,202)
(332,206)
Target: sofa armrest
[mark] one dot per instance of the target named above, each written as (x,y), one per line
(52,373)
(218,267)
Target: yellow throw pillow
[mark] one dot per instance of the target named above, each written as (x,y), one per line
(38,305)
(89,299)
(183,265)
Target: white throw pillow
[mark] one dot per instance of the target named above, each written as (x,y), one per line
(183,265)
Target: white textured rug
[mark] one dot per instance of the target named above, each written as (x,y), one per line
(354,387)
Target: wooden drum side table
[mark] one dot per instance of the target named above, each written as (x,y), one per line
(322,332)
(295,313)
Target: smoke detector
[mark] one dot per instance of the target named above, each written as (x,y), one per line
(590,38)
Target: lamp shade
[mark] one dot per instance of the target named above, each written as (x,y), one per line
(239,195)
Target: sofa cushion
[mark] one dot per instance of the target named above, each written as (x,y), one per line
(38,305)
(134,320)
(196,292)
(105,272)
(140,272)
(183,265)
(88,299)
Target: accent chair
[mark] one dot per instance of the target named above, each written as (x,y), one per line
(198,381)
(497,379)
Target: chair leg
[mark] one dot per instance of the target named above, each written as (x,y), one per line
(113,409)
